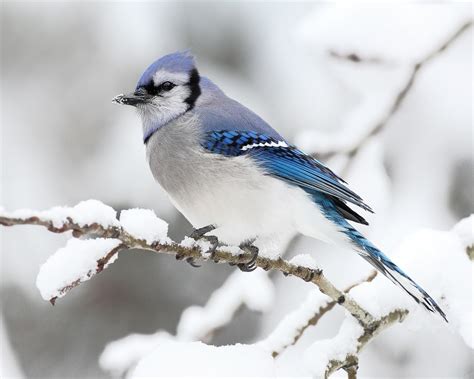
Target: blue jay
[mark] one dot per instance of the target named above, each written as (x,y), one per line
(225,169)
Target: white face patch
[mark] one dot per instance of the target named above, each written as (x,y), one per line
(176,78)
(167,105)
(265,144)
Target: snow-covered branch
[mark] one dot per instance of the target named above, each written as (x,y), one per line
(143,230)
(341,352)
(103,235)
(297,322)
(325,148)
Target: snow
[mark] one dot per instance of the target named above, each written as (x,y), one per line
(119,356)
(438,262)
(143,224)
(464,229)
(348,28)
(284,334)
(76,261)
(93,211)
(201,244)
(358,123)
(197,359)
(233,250)
(84,213)
(320,353)
(305,260)
(255,290)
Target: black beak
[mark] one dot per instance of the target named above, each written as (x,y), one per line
(131,99)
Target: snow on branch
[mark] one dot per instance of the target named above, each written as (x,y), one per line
(292,327)
(75,263)
(327,356)
(141,229)
(375,307)
(371,117)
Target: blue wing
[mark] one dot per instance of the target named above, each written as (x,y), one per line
(287,163)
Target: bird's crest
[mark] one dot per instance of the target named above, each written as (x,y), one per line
(178,62)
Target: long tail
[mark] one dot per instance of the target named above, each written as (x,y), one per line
(383,264)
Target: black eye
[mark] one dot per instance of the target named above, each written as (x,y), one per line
(166,86)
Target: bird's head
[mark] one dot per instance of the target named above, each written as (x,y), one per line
(168,88)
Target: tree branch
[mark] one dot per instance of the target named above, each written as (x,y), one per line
(195,252)
(322,308)
(399,97)
(350,362)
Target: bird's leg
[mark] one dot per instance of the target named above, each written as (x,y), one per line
(311,274)
(200,234)
(251,249)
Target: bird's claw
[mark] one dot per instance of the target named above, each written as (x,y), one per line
(250,265)
(311,274)
(191,261)
(200,234)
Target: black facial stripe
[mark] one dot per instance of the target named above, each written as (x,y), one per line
(150,89)
(193,84)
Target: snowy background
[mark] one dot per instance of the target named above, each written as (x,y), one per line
(63,141)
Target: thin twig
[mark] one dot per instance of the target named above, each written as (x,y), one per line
(401,95)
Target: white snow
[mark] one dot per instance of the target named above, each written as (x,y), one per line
(118,356)
(320,353)
(305,260)
(438,262)
(93,211)
(76,261)
(255,290)
(145,225)
(464,229)
(349,27)
(234,250)
(284,334)
(84,213)
(197,359)
(202,244)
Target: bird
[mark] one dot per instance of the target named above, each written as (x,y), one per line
(230,173)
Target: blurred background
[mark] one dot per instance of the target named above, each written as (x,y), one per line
(63,141)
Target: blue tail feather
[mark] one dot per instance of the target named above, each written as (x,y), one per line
(378,259)
(383,264)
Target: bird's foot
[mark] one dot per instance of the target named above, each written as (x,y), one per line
(200,234)
(190,260)
(311,274)
(250,265)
